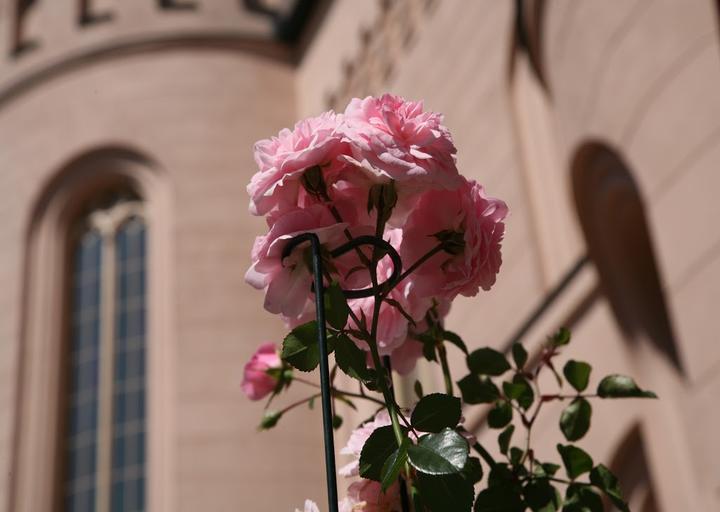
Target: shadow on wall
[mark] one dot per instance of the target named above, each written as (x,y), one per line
(612,216)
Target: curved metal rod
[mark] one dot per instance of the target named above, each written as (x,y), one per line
(384,248)
(330,473)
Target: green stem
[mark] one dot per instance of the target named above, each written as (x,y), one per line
(298,403)
(485,454)
(445,369)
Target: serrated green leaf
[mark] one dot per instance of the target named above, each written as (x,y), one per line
(300,347)
(478,390)
(393,465)
(379,446)
(520,391)
(577,374)
(575,459)
(436,412)
(520,355)
(621,386)
(336,307)
(560,338)
(455,340)
(581,498)
(487,361)
(443,453)
(516,455)
(602,477)
(540,496)
(575,419)
(448,493)
(505,437)
(500,415)
(472,471)
(351,359)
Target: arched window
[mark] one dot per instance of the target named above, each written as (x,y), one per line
(612,217)
(105,430)
(94,425)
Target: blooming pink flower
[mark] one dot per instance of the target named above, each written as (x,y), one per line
(257,383)
(395,139)
(288,282)
(477,221)
(283,159)
(368,496)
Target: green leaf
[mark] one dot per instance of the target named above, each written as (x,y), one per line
(336,307)
(393,465)
(443,453)
(447,493)
(519,390)
(581,498)
(516,455)
(575,459)
(429,346)
(544,469)
(560,338)
(620,386)
(500,498)
(478,390)
(455,340)
(300,347)
(436,412)
(472,471)
(337,421)
(352,359)
(504,438)
(487,361)
(601,477)
(379,446)
(577,374)
(500,415)
(520,355)
(269,420)
(540,496)
(575,419)
(418,389)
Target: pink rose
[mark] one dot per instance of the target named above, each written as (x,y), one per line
(287,282)
(368,496)
(310,506)
(475,222)
(257,383)
(283,159)
(394,139)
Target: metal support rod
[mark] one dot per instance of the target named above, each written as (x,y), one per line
(383,248)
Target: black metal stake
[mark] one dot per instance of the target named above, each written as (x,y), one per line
(319,289)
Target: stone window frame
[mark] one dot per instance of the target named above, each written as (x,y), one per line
(40,409)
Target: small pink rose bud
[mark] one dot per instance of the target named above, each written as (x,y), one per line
(257,382)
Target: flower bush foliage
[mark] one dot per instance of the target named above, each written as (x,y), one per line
(387,168)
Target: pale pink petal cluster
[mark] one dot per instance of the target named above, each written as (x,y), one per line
(477,219)
(257,383)
(386,141)
(310,506)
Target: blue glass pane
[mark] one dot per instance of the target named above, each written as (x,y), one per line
(128,465)
(82,423)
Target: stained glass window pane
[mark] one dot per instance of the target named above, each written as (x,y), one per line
(128,445)
(83,375)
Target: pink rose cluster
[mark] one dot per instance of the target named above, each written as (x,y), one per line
(333,175)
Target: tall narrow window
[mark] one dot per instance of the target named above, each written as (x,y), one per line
(612,217)
(105,441)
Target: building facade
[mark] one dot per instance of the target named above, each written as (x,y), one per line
(126,132)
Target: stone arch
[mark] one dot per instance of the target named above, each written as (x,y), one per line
(611,213)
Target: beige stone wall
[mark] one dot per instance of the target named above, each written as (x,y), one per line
(193,89)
